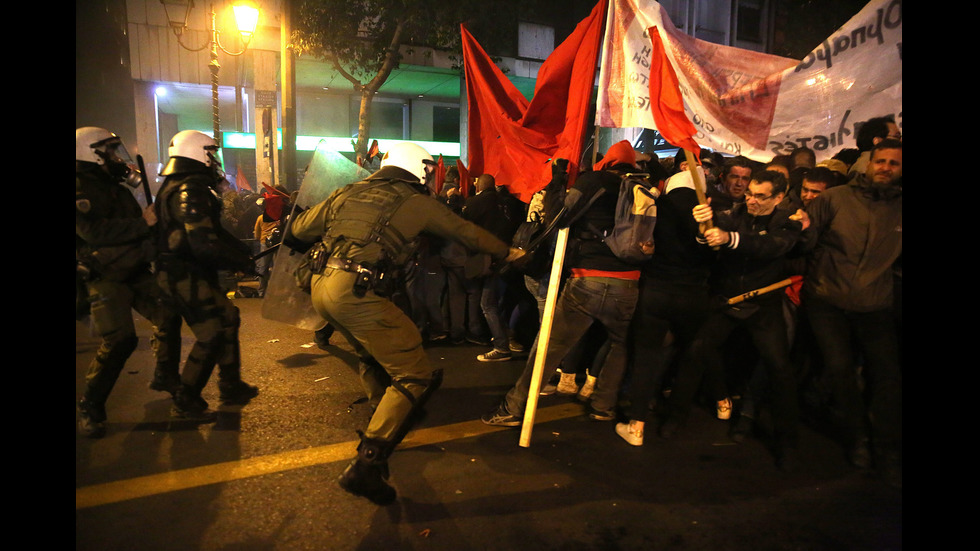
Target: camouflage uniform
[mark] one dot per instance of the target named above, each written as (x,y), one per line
(193,246)
(112,248)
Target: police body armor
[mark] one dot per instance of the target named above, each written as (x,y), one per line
(197,201)
(361,239)
(120,261)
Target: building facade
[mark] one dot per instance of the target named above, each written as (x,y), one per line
(135,76)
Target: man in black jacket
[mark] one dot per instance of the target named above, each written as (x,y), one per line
(602,288)
(753,239)
(493,212)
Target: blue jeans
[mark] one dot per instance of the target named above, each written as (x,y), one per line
(583,301)
(490,295)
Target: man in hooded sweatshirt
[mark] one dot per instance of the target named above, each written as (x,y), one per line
(602,288)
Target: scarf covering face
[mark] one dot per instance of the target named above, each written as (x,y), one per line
(272,203)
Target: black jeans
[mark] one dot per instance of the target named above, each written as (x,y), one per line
(662,308)
(842,336)
(767,327)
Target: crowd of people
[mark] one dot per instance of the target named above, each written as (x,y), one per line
(775,293)
(772,291)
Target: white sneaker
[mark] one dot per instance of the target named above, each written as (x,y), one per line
(494,356)
(631,432)
(586,391)
(725,409)
(567,384)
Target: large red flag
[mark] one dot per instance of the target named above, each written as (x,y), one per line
(515,139)
(666,100)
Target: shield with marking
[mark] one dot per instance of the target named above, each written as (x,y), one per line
(284,301)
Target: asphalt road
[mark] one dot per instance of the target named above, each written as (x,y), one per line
(263,476)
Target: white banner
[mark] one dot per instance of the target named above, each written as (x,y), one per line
(749,103)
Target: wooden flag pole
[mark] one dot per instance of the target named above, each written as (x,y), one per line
(692,167)
(544,335)
(767,289)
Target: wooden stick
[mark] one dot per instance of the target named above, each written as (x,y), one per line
(699,185)
(544,336)
(767,289)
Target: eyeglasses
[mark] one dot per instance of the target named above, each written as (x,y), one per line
(757,196)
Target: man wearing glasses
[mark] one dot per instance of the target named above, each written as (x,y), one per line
(752,240)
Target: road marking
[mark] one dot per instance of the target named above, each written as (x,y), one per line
(172,481)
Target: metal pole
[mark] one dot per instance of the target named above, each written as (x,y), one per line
(214,66)
(288,90)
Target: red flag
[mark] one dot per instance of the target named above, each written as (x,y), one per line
(515,139)
(440,175)
(793,291)
(666,100)
(240,180)
(464,178)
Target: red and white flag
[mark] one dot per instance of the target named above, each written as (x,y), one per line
(743,102)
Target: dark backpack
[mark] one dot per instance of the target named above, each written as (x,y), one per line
(635,219)
(529,237)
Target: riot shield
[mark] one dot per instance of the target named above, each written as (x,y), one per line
(284,301)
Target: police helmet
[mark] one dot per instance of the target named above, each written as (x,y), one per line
(103,148)
(191,151)
(407,156)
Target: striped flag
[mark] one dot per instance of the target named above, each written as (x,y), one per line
(751,103)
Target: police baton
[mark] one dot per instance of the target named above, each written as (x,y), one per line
(146,183)
(266,252)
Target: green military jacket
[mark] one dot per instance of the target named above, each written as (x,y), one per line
(111,236)
(415,214)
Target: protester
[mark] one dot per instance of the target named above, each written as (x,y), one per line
(602,288)
(734,179)
(673,300)
(856,236)
(487,209)
(869,133)
(753,240)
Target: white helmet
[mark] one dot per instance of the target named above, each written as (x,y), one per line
(196,145)
(99,146)
(407,156)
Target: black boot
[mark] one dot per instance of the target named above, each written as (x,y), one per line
(237,392)
(164,381)
(91,419)
(189,405)
(367,476)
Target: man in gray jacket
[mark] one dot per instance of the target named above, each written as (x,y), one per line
(856,234)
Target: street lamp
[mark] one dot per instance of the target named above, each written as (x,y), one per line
(246,18)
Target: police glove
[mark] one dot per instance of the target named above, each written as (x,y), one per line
(515,255)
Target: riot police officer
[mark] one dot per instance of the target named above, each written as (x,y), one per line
(357,239)
(113,255)
(192,248)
